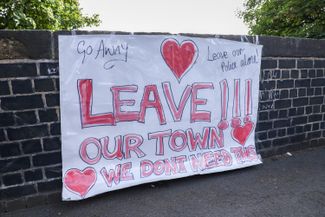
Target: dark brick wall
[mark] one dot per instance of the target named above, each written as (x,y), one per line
(292,104)
(30,157)
(291,108)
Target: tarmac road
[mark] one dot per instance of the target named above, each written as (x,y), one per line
(282,186)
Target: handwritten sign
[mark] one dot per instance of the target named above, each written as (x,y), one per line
(137,109)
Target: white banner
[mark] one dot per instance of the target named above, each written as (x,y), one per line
(143,108)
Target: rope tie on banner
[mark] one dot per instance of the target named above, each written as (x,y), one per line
(243,38)
(257,41)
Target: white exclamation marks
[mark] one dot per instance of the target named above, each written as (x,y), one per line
(248,100)
(223,124)
(236,105)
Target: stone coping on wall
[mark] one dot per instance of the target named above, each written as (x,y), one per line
(42,44)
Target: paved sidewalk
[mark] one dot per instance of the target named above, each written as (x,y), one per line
(282,186)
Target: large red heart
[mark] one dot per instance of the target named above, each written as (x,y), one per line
(80,182)
(179,57)
(241,133)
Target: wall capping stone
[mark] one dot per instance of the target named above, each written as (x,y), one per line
(42,44)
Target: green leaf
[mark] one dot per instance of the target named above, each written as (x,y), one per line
(44,14)
(297,18)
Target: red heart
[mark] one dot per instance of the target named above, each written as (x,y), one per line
(241,133)
(179,57)
(80,182)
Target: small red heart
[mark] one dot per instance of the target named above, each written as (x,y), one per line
(179,57)
(241,133)
(80,182)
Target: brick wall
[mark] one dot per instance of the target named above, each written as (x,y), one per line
(291,109)
(292,105)
(29,128)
